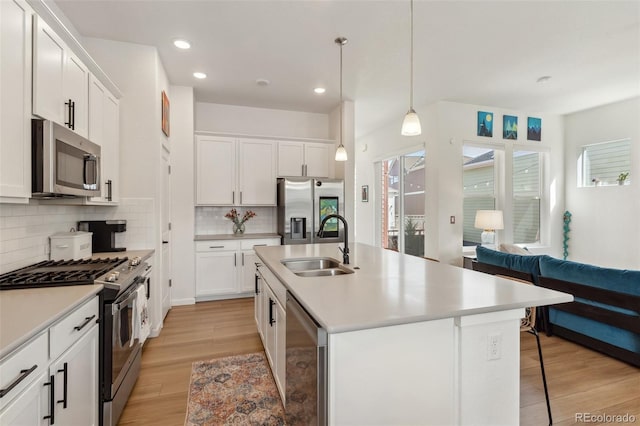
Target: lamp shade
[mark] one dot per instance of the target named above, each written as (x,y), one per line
(411,124)
(489,219)
(341,153)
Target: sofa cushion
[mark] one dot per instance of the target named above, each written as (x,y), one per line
(528,263)
(620,280)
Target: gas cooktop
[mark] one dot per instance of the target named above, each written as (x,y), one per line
(54,273)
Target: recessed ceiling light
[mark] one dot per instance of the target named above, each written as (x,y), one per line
(262,82)
(543,79)
(181,44)
(319,90)
(199,75)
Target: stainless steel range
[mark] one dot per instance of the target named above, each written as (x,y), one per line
(120,351)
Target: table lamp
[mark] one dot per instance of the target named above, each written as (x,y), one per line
(489,221)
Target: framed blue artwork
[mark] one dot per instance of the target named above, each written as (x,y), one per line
(485,124)
(509,127)
(534,129)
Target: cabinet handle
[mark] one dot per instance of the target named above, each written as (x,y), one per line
(271,319)
(52,399)
(259,245)
(87,320)
(235,259)
(242,259)
(109,193)
(23,375)
(69,114)
(240,197)
(73,115)
(148,287)
(64,385)
(257,289)
(233,197)
(216,246)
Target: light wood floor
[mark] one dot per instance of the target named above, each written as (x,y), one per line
(579,379)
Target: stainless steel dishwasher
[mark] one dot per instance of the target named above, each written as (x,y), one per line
(306,370)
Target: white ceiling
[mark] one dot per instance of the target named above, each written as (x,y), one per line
(479,52)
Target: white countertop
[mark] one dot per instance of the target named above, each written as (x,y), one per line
(245,236)
(26,312)
(391,288)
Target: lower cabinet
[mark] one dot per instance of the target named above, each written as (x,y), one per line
(271,323)
(226,268)
(64,386)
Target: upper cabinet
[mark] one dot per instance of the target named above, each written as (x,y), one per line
(303,159)
(15,102)
(60,81)
(104,129)
(235,172)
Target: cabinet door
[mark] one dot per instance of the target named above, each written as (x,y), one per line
(248,271)
(15,103)
(97,93)
(216,171)
(79,389)
(316,157)
(48,72)
(31,406)
(111,158)
(270,316)
(257,303)
(76,86)
(257,162)
(281,358)
(216,273)
(290,159)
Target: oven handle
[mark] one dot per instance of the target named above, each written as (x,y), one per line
(127,297)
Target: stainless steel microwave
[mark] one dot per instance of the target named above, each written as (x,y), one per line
(63,162)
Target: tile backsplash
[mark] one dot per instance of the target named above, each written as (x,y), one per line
(211,220)
(25,228)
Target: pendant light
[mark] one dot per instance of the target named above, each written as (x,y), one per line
(341,152)
(411,124)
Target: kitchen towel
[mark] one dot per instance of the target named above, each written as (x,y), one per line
(141,324)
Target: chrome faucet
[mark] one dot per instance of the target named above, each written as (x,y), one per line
(345,252)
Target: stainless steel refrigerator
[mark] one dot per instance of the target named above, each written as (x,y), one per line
(303,203)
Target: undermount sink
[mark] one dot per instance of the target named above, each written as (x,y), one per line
(316,267)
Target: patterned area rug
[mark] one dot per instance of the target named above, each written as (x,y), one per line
(236,390)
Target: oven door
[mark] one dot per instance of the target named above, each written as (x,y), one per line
(124,346)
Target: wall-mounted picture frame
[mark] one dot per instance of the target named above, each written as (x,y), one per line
(534,129)
(165,114)
(485,124)
(509,127)
(364,197)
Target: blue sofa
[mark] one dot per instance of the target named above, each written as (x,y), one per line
(605,314)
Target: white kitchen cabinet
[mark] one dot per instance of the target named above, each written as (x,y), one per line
(216,273)
(304,159)
(226,268)
(62,360)
(76,373)
(60,81)
(216,171)
(104,129)
(235,172)
(272,325)
(257,172)
(15,104)
(31,406)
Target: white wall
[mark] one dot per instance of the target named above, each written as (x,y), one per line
(605,222)
(182,195)
(446,127)
(260,121)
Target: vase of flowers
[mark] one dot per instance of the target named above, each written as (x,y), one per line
(238,220)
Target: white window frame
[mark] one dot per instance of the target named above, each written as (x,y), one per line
(584,176)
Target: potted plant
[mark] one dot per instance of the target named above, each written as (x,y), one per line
(622,177)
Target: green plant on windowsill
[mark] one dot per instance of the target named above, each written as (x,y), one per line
(622,177)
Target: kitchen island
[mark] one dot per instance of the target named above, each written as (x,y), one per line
(413,341)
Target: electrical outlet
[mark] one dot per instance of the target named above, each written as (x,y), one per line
(452,219)
(494,346)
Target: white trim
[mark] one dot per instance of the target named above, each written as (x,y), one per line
(272,138)
(400,152)
(185,301)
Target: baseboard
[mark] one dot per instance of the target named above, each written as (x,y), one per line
(180,302)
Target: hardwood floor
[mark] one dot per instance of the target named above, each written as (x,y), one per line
(579,380)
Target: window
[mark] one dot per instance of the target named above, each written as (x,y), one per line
(526,196)
(478,177)
(403,203)
(600,164)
